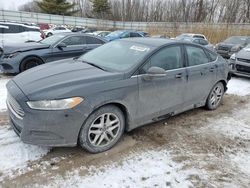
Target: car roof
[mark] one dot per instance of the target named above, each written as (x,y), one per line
(79,34)
(156,42)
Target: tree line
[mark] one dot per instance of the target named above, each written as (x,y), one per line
(214,11)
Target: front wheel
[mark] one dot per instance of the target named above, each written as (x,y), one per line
(29,63)
(102,130)
(215,96)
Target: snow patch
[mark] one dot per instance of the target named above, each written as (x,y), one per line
(239,86)
(152,168)
(15,155)
(3,94)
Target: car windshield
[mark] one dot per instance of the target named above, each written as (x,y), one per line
(236,40)
(115,34)
(117,55)
(52,39)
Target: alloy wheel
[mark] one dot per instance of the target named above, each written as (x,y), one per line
(104,130)
(216,95)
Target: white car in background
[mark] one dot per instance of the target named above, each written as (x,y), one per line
(55,30)
(11,32)
(191,35)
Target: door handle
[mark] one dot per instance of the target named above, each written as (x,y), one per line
(212,69)
(178,75)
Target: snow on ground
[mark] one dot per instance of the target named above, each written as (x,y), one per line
(3,94)
(152,168)
(239,86)
(14,154)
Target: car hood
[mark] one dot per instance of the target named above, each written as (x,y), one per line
(227,44)
(22,47)
(244,53)
(61,79)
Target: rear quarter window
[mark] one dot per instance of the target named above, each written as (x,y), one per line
(212,56)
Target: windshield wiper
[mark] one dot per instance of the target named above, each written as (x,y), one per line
(94,65)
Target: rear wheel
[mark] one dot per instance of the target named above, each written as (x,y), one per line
(215,96)
(29,63)
(102,130)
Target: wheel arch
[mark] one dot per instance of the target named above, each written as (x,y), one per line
(224,84)
(122,107)
(30,56)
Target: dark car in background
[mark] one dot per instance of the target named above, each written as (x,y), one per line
(232,45)
(241,62)
(117,87)
(120,34)
(20,57)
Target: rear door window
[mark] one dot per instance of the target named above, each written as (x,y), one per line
(92,40)
(13,28)
(135,35)
(196,56)
(74,40)
(203,42)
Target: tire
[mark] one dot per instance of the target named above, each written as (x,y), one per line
(49,34)
(29,63)
(97,134)
(215,96)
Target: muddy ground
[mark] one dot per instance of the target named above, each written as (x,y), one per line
(206,151)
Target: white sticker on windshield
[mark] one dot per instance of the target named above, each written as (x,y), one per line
(139,48)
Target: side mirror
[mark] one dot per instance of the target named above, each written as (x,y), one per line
(154,72)
(61,45)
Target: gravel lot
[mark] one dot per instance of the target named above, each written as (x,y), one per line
(198,148)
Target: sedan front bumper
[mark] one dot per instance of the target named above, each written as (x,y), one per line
(44,128)
(241,69)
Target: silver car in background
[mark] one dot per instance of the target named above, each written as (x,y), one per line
(241,62)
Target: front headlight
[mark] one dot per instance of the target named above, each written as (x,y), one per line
(9,56)
(61,104)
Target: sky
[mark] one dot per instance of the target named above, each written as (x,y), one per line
(12,4)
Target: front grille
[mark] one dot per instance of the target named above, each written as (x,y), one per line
(14,107)
(244,60)
(224,48)
(242,68)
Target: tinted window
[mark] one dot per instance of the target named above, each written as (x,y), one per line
(196,56)
(75,40)
(199,36)
(134,35)
(168,58)
(92,40)
(212,56)
(13,28)
(197,41)
(125,35)
(203,42)
(32,29)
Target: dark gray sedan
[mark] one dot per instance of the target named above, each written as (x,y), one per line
(117,87)
(20,57)
(232,45)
